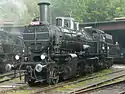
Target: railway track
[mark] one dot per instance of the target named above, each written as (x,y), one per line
(122,92)
(49,88)
(67,83)
(113,88)
(6,74)
(10,82)
(10,76)
(100,85)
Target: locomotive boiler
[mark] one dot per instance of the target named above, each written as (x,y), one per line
(11,50)
(62,51)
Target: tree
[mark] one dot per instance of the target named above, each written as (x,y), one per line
(23,11)
(90,10)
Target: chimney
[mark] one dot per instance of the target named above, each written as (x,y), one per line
(44,11)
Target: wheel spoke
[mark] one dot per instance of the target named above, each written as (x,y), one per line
(53,76)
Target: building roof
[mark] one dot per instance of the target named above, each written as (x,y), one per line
(104,22)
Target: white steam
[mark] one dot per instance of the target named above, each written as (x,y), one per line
(12,10)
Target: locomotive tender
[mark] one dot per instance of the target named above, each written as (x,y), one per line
(11,50)
(63,51)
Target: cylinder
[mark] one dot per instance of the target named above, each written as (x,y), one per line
(44,11)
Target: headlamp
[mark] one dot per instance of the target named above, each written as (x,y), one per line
(8,67)
(108,47)
(17,57)
(103,48)
(39,67)
(42,56)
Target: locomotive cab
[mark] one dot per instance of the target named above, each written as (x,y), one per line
(67,22)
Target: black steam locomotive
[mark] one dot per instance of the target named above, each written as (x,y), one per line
(63,51)
(11,50)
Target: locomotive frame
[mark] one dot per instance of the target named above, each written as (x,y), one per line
(61,52)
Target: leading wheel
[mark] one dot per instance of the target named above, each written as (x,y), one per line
(52,74)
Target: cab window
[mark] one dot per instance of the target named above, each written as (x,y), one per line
(58,22)
(67,23)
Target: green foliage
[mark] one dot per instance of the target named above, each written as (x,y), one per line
(90,10)
(23,11)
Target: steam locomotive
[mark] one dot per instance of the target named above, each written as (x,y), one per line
(63,51)
(11,49)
